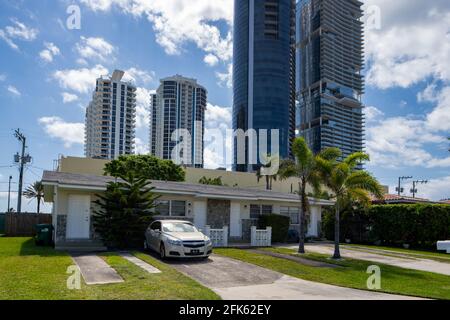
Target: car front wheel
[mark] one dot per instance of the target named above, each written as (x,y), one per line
(162,251)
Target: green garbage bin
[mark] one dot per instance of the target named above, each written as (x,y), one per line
(44,234)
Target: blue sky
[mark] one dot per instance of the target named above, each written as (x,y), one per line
(47,72)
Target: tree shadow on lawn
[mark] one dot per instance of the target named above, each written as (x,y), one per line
(29,248)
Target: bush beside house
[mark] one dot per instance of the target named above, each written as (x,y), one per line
(280,226)
(419,225)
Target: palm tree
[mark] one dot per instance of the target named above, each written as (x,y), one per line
(347,184)
(304,168)
(269,169)
(35,191)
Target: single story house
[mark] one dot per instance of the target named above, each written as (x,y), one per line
(396,199)
(216,206)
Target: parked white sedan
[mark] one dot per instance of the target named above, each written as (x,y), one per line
(175,238)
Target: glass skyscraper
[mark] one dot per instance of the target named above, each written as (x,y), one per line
(264,72)
(329,64)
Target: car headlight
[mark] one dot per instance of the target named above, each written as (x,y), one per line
(208,242)
(175,242)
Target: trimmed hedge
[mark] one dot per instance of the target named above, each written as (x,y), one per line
(280,226)
(420,225)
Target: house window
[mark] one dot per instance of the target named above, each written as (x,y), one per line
(178,208)
(257,210)
(291,212)
(163,208)
(171,208)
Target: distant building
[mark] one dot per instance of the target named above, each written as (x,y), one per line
(330,60)
(264,73)
(179,103)
(110,118)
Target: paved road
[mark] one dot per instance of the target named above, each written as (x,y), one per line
(408,263)
(237,280)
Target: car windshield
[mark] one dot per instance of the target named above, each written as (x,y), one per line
(178,227)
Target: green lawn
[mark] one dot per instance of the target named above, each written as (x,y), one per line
(438,256)
(350,273)
(29,272)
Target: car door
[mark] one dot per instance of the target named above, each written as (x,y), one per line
(155,235)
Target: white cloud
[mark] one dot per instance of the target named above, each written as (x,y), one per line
(372,114)
(19,31)
(142,108)
(436,189)
(68,133)
(412,44)
(179,22)
(50,51)
(138,76)
(429,94)
(141,147)
(69,97)
(80,80)
(217,153)
(211,60)
(405,141)
(2,77)
(95,49)
(226,79)
(8,41)
(14,91)
(439,118)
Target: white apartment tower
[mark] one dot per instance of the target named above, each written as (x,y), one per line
(111,118)
(179,103)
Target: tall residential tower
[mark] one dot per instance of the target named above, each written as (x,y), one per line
(264,72)
(179,103)
(110,118)
(330,84)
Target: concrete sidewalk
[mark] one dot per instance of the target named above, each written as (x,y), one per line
(140,263)
(95,270)
(368,255)
(237,280)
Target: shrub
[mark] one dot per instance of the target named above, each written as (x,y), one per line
(420,225)
(280,226)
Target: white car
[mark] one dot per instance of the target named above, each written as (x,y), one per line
(175,238)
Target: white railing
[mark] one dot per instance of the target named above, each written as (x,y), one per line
(219,237)
(261,238)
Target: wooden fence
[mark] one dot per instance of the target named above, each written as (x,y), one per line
(23,224)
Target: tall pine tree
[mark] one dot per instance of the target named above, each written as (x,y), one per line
(124,211)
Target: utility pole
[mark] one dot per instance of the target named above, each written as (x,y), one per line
(399,189)
(22,160)
(9,194)
(414,190)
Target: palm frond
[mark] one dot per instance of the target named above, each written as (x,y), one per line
(364,180)
(356,158)
(360,195)
(330,154)
(301,151)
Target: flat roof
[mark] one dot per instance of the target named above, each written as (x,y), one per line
(98,183)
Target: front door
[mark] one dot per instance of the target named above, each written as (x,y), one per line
(200,215)
(78,217)
(235,220)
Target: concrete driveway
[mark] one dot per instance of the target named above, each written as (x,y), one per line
(369,255)
(237,280)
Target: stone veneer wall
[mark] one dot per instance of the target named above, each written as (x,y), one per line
(61,223)
(218,213)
